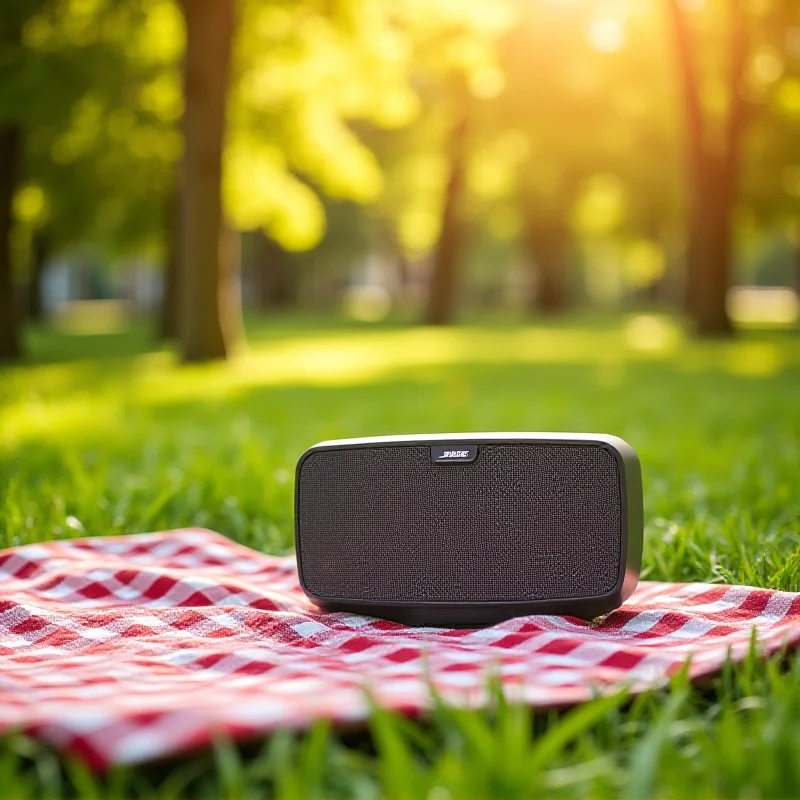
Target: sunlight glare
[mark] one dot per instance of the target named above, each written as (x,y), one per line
(607,35)
(766,66)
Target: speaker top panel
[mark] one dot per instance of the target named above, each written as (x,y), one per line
(486,519)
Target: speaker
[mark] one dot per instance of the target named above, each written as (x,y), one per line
(465,530)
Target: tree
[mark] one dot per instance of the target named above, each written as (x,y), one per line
(443,280)
(771,175)
(553,115)
(40,252)
(11,143)
(572,108)
(548,242)
(89,87)
(209,32)
(424,208)
(712,169)
(310,82)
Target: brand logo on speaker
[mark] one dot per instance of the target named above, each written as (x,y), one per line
(454,453)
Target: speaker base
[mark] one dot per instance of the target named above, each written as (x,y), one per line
(478,615)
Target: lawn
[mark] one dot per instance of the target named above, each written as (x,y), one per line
(103,434)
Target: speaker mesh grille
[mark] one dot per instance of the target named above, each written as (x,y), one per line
(522,522)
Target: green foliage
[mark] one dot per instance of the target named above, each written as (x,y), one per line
(126,442)
(303,71)
(772,173)
(353,101)
(306,118)
(454,66)
(101,143)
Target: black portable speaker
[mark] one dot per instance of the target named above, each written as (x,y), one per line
(469,529)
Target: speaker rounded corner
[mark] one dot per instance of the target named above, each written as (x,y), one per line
(624,451)
(312,596)
(315,448)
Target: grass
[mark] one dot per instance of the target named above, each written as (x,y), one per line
(105,435)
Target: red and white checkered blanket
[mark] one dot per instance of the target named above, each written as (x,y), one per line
(132,648)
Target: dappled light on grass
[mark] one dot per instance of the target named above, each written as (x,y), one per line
(82,412)
(350,358)
(54,398)
(92,396)
(652,333)
(754,359)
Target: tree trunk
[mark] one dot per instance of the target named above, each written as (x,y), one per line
(209,31)
(712,177)
(443,286)
(41,252)
(168,322)
(695,145)
(11,142)
(230,287)
(722,190)
(273,281)
(10,155)
(712,283)
(548,243)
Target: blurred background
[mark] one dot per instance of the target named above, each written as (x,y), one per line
(183,165)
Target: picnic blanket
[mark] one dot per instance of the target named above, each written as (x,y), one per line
(132,648)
